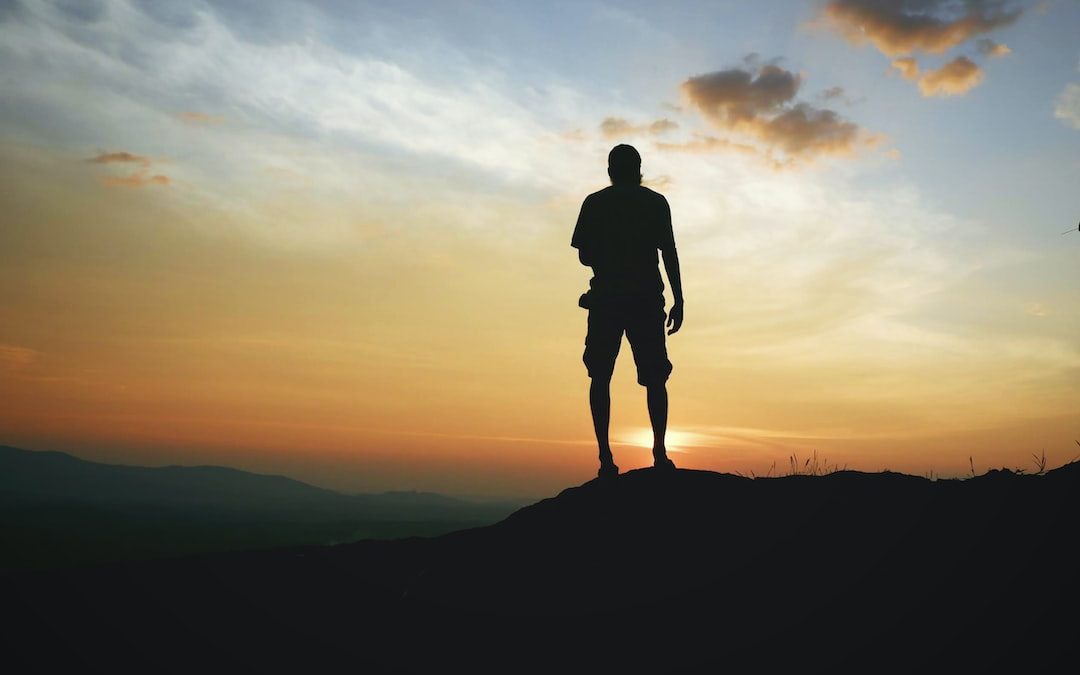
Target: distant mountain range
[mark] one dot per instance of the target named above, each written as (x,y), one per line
(56,509)
(652,571)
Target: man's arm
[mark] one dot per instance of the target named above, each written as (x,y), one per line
(582,238)
(666,244)
(671,264)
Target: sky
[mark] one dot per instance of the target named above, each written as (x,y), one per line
(330,239)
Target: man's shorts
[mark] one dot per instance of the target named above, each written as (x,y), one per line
(642,319)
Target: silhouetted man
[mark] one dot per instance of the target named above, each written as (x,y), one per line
(618,233)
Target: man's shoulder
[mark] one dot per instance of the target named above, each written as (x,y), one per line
(599,195)
(655,196)
(617,192)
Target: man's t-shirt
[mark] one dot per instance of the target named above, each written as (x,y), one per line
(619,230)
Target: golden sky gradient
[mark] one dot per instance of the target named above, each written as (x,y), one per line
(288,278)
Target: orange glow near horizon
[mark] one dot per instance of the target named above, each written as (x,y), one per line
(455,369)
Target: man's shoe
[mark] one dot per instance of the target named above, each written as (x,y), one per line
(663,463)
(607,471)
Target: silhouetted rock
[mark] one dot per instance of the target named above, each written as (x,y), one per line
(653,571)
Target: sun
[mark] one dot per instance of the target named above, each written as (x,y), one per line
(675,440)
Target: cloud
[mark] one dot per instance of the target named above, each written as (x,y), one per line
(87,11)
(988,47)
(908,67)
(737,95)
(899,27)
(139,177)
(838,94)
(954,78)
(573,135)
(659,182)
(197,118)
(614,127)
(13,357)
(806,129)
(120,157)
(662,126)
(833,92)
(761,104)
(707,143)
(1067,107)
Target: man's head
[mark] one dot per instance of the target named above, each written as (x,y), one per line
(624,165)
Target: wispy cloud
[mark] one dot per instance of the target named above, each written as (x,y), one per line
(1067,106)
(289,84)
(119,157)
(833,92)
(988,47)
(617,127)
(199,118)
(838,94)
(140,176)
(706,143)
(908,67)
(137,179)
(14,357)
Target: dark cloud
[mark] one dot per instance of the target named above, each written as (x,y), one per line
(805,129)
(614,127)
(736,95)
(899,27)
(956,77)
(761,105)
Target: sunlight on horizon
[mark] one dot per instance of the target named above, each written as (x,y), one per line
(675,439)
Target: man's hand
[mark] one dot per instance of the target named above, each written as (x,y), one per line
(674,318)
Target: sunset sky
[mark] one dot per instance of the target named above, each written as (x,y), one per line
(331,239)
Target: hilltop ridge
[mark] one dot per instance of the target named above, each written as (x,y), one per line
(658,571)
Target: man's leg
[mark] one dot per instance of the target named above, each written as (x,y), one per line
(656,395)
(600,403)
(601,349)
(646,335)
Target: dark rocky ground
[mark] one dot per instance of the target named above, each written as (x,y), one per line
(650,572)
